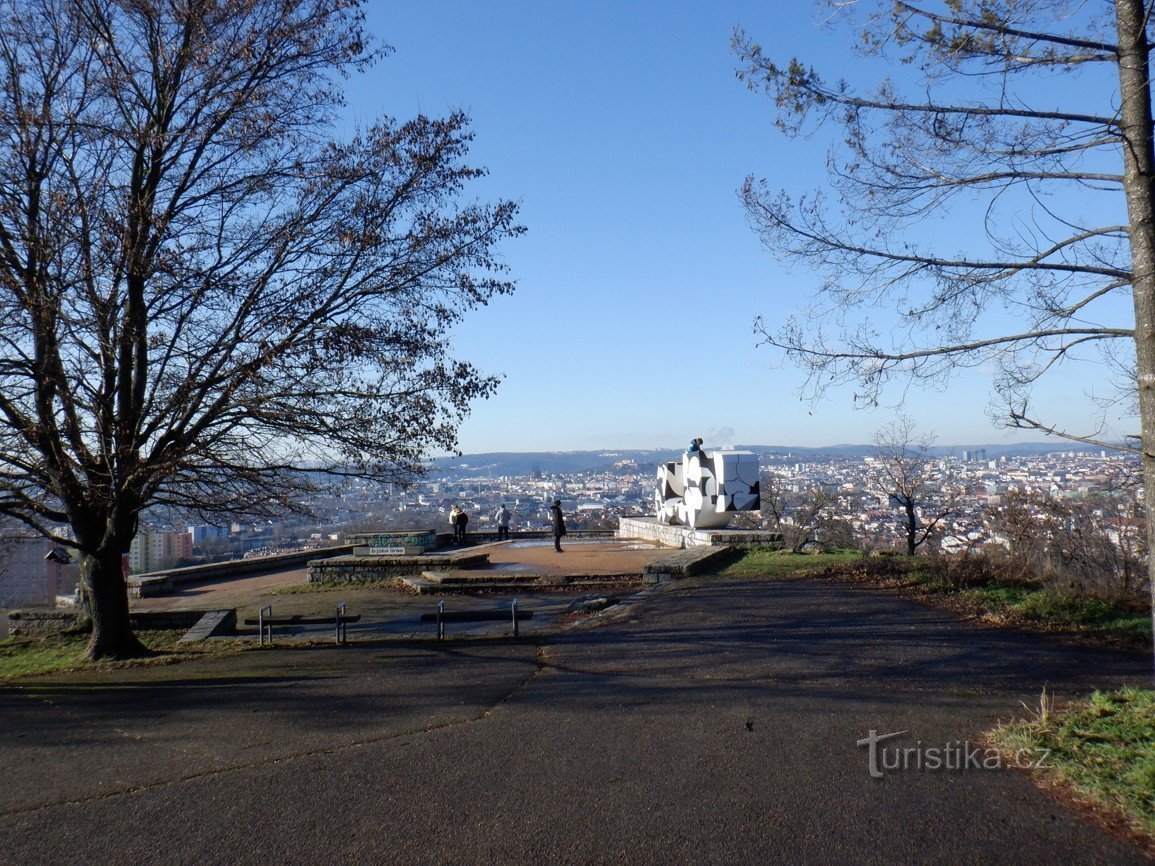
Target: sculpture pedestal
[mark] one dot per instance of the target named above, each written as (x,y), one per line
(652,529)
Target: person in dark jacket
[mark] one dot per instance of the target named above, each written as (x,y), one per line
(558,524)
(459,526)
(696,445)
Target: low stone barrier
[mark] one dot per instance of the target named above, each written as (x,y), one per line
(687,562)
(414,540)
(359,569)
(36,621)
(33,622)
(161,582)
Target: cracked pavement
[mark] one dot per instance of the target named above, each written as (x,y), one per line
(716,721)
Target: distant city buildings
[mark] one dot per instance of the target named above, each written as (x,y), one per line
(595,498)
(153,550)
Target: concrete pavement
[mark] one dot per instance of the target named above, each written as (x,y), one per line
(718,723)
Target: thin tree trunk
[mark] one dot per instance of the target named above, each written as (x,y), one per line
(1139,185)
(112,636)
(911,529)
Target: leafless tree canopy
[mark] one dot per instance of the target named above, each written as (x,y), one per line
(1012,127)
(202,290)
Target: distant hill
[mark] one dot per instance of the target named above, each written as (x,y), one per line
(516,463)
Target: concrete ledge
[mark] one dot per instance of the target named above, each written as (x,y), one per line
(684,563)
(32,621)
(161,582)
(652,529)
(539,534)
(54,621)
(422,539)
(358,569)
(437,582)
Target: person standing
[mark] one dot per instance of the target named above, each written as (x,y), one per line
(453,512)
(558,524)
(501,518)
(459,527)
(696,445)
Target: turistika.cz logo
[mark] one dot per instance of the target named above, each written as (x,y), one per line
(952,757)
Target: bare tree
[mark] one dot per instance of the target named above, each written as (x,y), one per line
(903,474)
(208,302)
(1079,543)
(803,519)
(1061,178)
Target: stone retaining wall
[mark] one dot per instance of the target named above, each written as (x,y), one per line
(34,621)
(425,539)
(358,569)
(161,582)
(41,622)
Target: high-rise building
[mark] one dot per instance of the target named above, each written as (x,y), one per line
(153,550)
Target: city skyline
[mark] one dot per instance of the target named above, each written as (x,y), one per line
(625,135)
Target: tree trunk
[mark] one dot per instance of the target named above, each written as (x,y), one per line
(911,529)
(112,636)
(1139,185)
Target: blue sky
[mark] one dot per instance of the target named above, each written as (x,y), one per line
(623,133)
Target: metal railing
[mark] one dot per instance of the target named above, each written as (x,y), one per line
(261,626)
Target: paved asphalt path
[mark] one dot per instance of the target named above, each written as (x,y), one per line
(717,722)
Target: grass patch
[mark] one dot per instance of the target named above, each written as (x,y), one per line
(1042,606)
(1104,747)
(57,653)
(768,562)
(28,656)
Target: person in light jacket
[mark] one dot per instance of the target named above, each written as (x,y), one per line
(501,518)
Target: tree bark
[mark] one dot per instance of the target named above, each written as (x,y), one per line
(1139,186)
(911,528)
(112,637)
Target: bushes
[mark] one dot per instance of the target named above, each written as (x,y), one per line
(1094,545)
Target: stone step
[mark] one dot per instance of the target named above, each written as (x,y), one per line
(449,577)
(691,560)
(423,586)
(212,624)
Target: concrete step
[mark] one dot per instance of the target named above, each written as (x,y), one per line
(687,562)
(449,582)
(213,623)
(423,586)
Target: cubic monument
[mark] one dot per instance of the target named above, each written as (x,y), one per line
(705,489)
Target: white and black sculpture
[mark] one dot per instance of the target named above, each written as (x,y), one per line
(705,488)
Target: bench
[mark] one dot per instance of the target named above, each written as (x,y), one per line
(339,620)
(441,616)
